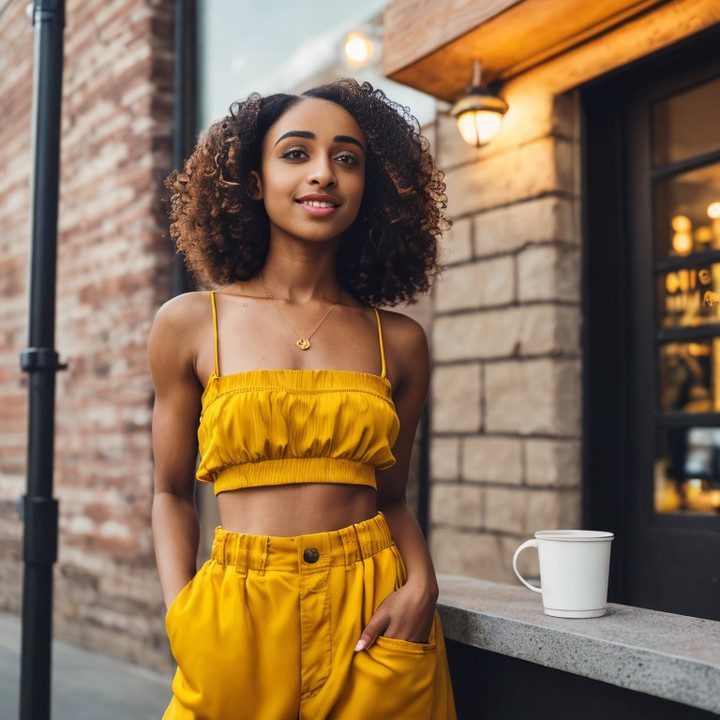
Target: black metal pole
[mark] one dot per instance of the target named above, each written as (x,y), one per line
(38,508)
(184,73)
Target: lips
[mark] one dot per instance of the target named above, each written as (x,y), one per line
(317,211)
(316,197)
(334,204)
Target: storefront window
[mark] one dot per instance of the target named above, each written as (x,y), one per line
(686,296)
(686,207)
(678,126)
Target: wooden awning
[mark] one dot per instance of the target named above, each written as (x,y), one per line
(431,44)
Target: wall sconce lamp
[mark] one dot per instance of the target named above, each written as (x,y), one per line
(479,112)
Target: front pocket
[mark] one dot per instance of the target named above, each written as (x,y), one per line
(175,601)
(393,643)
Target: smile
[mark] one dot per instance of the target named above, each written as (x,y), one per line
(315,208)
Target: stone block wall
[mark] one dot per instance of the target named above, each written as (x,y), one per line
(506,385)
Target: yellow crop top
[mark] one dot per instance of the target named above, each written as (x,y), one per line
(272,427)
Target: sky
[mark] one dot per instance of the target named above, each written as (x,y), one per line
(282,46)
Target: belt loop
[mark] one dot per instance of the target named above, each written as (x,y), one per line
(240,557)
(264,554)
(360,552)
(223,548)
(347,543)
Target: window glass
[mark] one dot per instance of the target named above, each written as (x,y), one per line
(687,471)
(684,125)
(689,296)
(687,212)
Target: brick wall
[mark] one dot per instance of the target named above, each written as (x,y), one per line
(506,386)
(114,263)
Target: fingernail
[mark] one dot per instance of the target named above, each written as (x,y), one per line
(360,644)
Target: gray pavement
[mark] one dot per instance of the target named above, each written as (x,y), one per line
(86,685)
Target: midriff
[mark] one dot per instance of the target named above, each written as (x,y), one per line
(295,509)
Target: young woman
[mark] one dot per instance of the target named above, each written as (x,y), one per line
(319,597)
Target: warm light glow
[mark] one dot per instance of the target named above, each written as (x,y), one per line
(667,497)
(479,111)
(713,210)
(358,47)
(698,498)
(478,127)
(681,223)
(672,283)
(704,234)
(682,243)
(698,350)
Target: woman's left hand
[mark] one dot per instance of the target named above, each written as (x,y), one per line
(407,613)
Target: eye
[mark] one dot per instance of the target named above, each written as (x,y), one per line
(288,153)
(352,158)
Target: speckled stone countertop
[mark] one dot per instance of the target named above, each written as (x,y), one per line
(676,657)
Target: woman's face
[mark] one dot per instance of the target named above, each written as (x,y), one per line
(316,147)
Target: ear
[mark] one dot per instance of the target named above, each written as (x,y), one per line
(254,187)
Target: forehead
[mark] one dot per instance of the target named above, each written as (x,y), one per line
(323,118)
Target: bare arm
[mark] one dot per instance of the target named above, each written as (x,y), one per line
(175,522)
(411,350)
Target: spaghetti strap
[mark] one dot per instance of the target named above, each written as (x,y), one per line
(380,339)
(215,331)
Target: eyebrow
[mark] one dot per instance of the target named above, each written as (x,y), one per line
(311,136)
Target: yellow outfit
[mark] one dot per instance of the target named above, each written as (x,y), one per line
(266,628)
(276,426)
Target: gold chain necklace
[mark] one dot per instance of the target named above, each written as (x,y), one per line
(302,343)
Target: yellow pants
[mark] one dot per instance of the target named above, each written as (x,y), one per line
(265,630)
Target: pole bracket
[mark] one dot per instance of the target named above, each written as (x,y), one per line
(36,359)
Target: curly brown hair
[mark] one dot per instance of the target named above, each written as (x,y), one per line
(388,254)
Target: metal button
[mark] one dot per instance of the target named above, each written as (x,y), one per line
(311,555)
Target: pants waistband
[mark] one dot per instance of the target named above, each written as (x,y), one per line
(301,553)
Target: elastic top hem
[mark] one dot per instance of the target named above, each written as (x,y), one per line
(285,471)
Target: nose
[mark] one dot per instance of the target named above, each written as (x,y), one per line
(321,172)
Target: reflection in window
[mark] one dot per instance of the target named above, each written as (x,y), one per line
(689,296)
(687,212)
(686,223)
(676,132)
(688,381)
(687,470)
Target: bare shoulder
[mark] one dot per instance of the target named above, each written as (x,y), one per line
(185,310)
(406,346)
(402,330)
(173,338)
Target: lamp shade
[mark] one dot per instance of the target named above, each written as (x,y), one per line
(479,115)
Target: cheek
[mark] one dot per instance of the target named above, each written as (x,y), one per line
(354,193)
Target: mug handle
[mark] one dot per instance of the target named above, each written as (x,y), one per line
(526,544)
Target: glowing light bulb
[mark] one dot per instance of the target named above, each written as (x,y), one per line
(680,223)
(704,234)
(682,243)
(358,47)
(478,127)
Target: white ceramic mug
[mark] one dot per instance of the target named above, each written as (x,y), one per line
(574,571)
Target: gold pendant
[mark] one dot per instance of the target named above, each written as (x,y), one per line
(303,343)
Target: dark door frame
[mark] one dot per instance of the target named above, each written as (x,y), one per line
(609,316)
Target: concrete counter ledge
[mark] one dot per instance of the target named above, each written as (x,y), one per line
(675,657)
